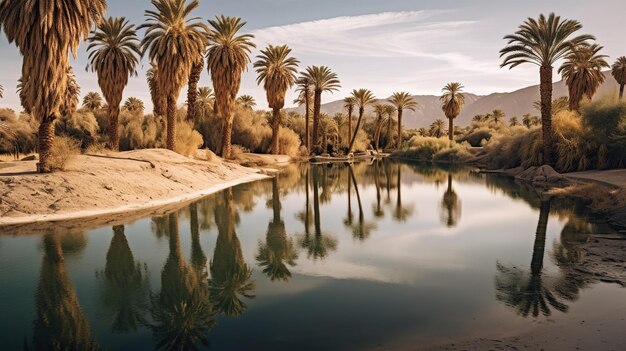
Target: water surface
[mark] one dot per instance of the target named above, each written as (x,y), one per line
(326,257)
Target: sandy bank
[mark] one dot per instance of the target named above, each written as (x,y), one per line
(112,184)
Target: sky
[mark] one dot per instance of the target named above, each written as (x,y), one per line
(383,45)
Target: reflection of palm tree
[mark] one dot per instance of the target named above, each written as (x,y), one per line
(450,206)
(349,220)
(401,213)
(278,251)
(318,245)
(230,275)
(198,258)
(181,311)
(60,323)
(362,230)
(378,210)
(530,294)
(126,286)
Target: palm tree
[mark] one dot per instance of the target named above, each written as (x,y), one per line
(192,87)
(618,71)
(278,251)
(246,101)
(158,100)
(205,100)
(44,34)
(134,105)
(582,72)
(402,101)
(362,99)
(452,102)
(173,41)
(497,115)
(514,122)
(542,42)
(277,71)
(227,58)
(321,79)
(92,101)
(389,110)
(379,110)
(437,128)
(304,97)
(113,54)
(348,104)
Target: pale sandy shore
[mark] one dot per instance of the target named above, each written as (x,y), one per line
(112,186)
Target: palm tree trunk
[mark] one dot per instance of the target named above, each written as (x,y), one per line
(316,205)
(377,129)
(451,129)
(275,127)
(227,133)
(349,122)
(545,90)
(621,91)
(114,139)
(540,238)
(307,121)
(356,130)
(171,122)
(316,116)
(388,142)
(192,89)
(45,140)
(399,143)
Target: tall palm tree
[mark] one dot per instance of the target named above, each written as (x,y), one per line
(134,105)
(348,104)
(379,110)
(402,101)
(497,115)
(44,33)
(277,71)
(362,99)
(173,41)
(159,103)
(618,71)
(92,101)
(205,100)
(582,72)
(305,95)
(192,86)
(542,42)
(321,79)
(113,54)
(437,128)
(452,102)
(227,58)
(389,111)
(246,101)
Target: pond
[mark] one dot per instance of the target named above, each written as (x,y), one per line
(374,255)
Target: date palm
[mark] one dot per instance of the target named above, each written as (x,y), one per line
(158,100)
(44,32)
(618,71)
(134,105)
(322,79)
(305,96)
(277,72)
(113,55)
(389,111)
(437,128)
(173,41)
(452,102)
(92,101)
(514,122)
(227,58)
(379,110)
(402,101)
(348,104)
(542,42)
(497,116)
(246,101)
(582,72)
(205,100)
(362,99)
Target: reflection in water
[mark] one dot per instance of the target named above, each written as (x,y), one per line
(450,206)
(60,323)
(401,213)
(126,287)
(181,311)
(378,210)
(230,275)
(534,293)
(278,251)
(363,229)
(319,244)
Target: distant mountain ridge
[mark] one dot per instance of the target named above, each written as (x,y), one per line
(516,103)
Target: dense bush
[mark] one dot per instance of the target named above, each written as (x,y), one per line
(188,140)
(81,126)
(63,150)
(18,133)
(435,149)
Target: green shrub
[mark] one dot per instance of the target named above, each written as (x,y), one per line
(458,153)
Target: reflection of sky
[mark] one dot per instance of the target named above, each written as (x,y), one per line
(408,283)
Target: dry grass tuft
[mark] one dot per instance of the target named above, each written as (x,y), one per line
(187,139)
(63,150)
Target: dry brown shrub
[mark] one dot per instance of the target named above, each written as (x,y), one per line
(63,150)
(187,139)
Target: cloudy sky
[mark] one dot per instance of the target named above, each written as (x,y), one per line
(386,46)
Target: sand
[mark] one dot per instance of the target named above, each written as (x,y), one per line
(112,184)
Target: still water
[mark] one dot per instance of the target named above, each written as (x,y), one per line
(380,255)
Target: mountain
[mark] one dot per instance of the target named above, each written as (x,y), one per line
(516,103)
